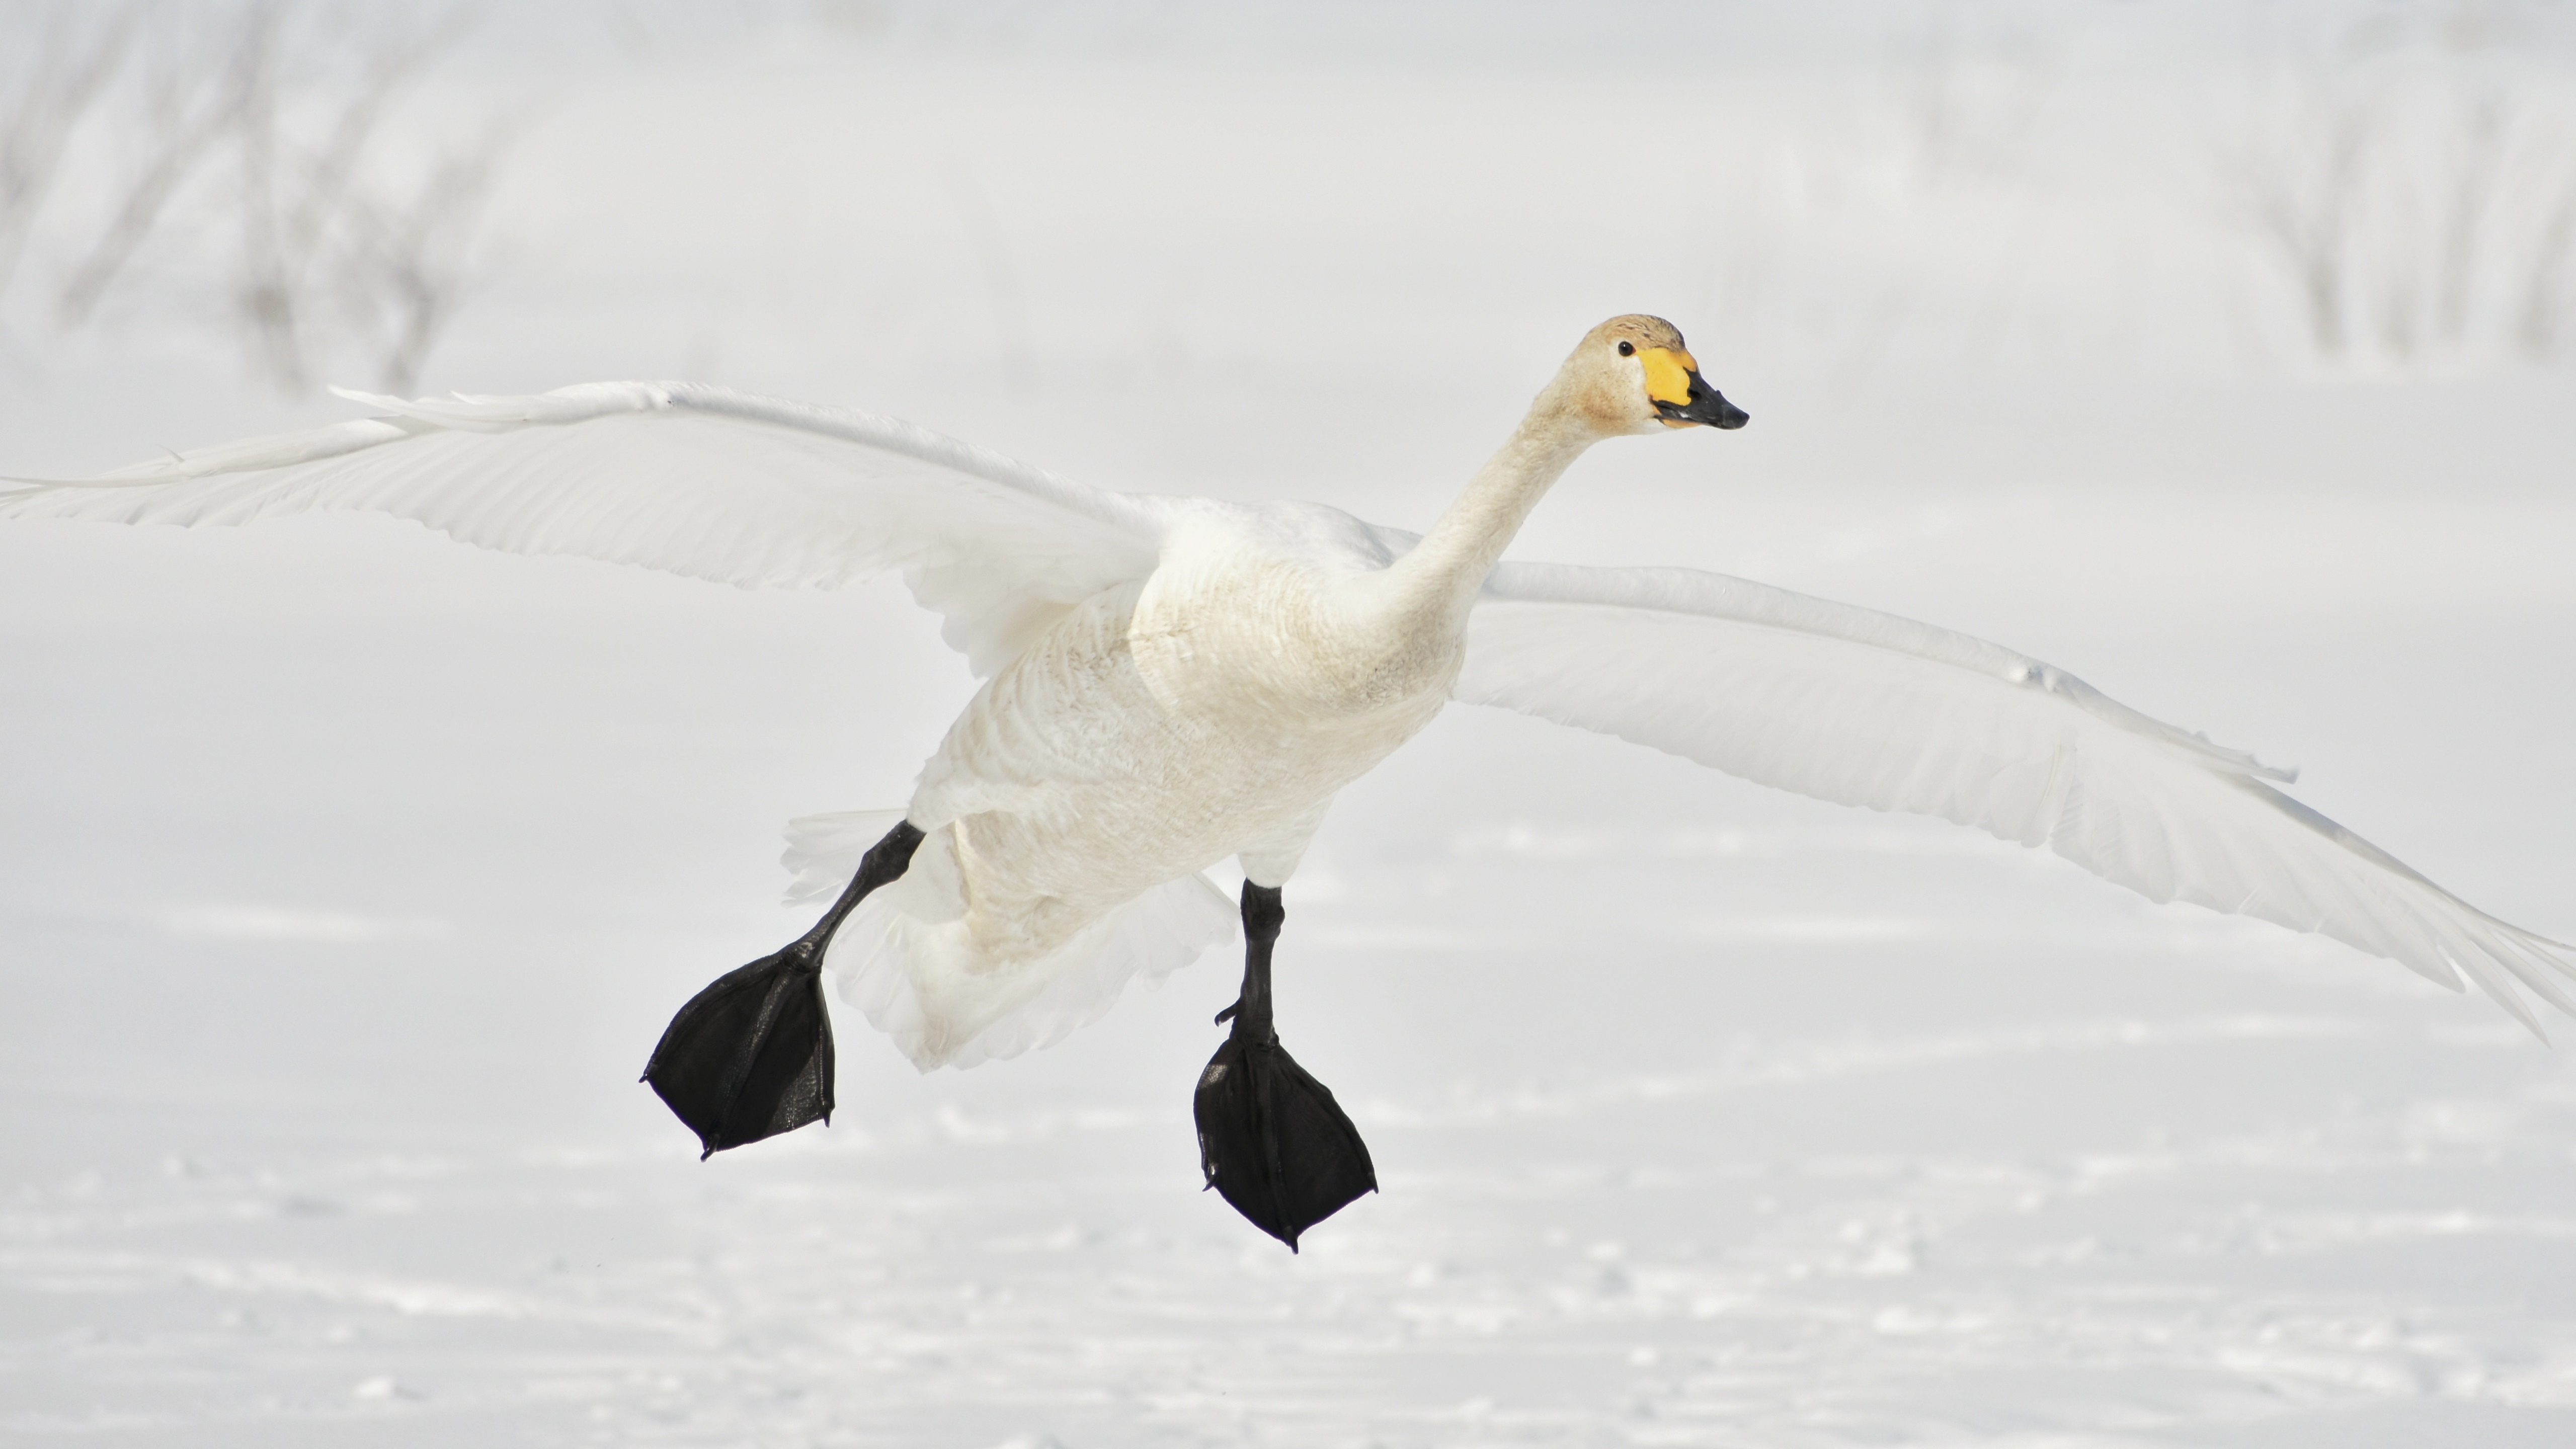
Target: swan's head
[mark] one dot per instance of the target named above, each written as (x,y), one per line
(1633,375)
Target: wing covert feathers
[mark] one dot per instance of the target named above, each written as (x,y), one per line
(1862,708)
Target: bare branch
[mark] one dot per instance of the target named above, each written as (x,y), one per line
(190,116)
(2544,289)
(265,291)
(68,72)
(2463,222)
(410,269)
(2306,208)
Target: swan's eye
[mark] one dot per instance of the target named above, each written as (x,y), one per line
(1627,349)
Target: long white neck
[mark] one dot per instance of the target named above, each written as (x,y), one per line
(1442,573)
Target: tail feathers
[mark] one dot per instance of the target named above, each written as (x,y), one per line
(905,961)
(824,851)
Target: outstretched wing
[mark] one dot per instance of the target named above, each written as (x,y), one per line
(1864,708)
(690,479)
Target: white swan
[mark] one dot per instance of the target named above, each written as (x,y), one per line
(1173,680)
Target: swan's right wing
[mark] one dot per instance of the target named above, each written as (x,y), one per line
(1864,708)
(685,478)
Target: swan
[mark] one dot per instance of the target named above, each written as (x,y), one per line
(1169,681)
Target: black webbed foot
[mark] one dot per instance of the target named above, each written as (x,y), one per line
(751,1055)
(1275,1143)
(1271,1138)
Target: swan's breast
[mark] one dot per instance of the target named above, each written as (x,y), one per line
(1213,709)
(1231,625)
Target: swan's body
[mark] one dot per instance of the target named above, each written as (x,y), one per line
(1275,653)
(1212,710)
(1172,681)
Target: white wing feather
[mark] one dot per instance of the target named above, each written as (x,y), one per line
(1864,708)
(685,478)
(1841,703)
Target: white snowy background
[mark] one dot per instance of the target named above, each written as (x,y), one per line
(2223,354)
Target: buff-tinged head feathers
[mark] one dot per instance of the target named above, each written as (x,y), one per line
(1633,375)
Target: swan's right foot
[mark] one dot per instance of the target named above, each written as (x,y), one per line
(751,1055)
(1271,1138)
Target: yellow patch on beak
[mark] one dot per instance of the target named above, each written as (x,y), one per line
(1668,374)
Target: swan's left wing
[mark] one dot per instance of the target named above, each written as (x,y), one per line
(1864,708)
(690,479)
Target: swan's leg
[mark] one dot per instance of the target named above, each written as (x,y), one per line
(1271,1138)
(751,1055)
(1263,915)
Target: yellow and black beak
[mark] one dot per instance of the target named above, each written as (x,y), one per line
(1681,398)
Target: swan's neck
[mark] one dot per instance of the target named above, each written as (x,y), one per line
(1444,571)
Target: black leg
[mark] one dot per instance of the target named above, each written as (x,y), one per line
(1271,1138)
(751,1055)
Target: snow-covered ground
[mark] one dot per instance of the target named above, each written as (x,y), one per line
(350,874)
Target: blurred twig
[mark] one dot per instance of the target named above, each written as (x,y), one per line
(2400,197)
(296,200)
(2543,303)
(2306,208)
(409,272)
(189,108)
(63,77)
(2473,179)
(259,122)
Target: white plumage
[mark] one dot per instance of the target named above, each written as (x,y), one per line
(1169,681)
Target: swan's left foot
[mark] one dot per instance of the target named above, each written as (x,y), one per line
(1271,1137)
(751,1055)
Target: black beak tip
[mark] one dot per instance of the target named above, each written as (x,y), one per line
(1707,407)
